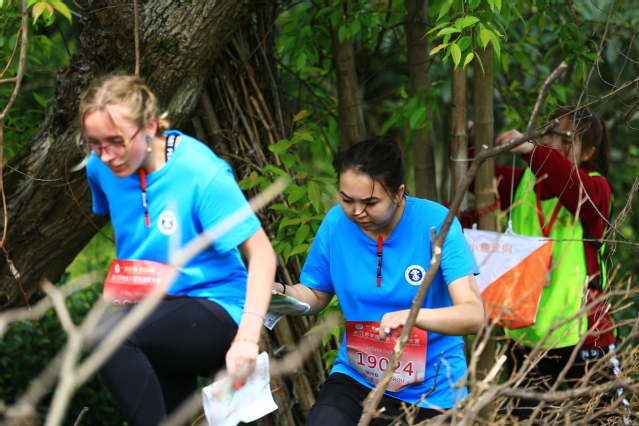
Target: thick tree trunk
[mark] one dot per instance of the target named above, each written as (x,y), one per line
(418,72)
(484,192)
(349,106)
(49,207)
(484,136)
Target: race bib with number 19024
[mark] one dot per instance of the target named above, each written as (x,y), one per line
(370,357)
(130,280)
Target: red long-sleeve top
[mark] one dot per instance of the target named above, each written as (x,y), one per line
(587,197)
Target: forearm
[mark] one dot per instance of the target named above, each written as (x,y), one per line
(456,320)
(315,299)
(261,273)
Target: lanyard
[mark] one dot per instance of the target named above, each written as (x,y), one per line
(545,227)
(170,147)
(380,240)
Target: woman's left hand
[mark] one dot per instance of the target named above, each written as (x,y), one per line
(240,360)
(391,322)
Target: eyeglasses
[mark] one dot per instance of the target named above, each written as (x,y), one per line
(116,149)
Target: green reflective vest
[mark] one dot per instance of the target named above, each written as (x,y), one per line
(563,297)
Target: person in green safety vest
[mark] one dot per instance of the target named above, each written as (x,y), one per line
(563,195)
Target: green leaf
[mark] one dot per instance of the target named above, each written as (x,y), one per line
(280,146)
(516,10)
(323,11)
(315,196)
(296,194)
(464,43)
(496,45)
(484,38)
(469,58)
(301,61)
(444,9)
(37,10)
(448,30)
(468,21)
(301,233)
(455,52)
(342,33)
(274,169)
(417,118)
(305,136)
(498,4)
(287,159)
(39,99)
(355,27)
(62,8)
(437,49)
(302,248)
(299,115)
(438,27)
(278,207)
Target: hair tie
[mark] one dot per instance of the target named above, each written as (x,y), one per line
(248,311)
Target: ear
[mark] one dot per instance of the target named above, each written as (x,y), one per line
(151,127)
(400,193)
(586,155)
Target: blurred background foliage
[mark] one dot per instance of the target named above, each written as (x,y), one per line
(534,36)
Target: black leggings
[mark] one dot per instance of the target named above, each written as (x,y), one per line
(156,368)
(340,404)
(542,377)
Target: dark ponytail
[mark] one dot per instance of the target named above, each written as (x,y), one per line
(380,157)
(593,133)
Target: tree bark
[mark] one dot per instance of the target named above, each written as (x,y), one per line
(484,135)
(349,104)
(418,73)
(49,207)
(459,143)
(484,192)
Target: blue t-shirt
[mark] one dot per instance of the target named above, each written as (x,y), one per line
(343,260)
(194,191)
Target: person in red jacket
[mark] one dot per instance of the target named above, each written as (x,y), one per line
(570,170)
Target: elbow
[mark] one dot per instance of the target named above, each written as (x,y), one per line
(476,319)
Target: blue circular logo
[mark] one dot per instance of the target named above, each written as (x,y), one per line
(415,274)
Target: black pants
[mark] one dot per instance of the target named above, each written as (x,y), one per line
(544,375)
(340,404)
(156,368)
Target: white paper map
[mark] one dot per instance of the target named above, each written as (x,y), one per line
(283,305)
(224,406)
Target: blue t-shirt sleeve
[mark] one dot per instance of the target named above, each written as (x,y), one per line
(99,199)
(220,198)
(316,273)
(457,257)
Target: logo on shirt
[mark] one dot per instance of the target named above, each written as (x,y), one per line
(414,274)
(167,223)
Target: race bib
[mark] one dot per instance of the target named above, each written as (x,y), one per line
(370,357)
(130,280)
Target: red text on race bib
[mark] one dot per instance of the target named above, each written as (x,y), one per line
(370,357)
(130,280)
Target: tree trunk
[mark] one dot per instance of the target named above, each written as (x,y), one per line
(418,72)
(49,208)
(484,192)
(349,104)
(459,144)
(484,136)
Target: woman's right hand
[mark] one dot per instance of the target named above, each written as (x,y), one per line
(504,138)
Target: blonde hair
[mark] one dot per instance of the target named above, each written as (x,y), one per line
(126,91)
